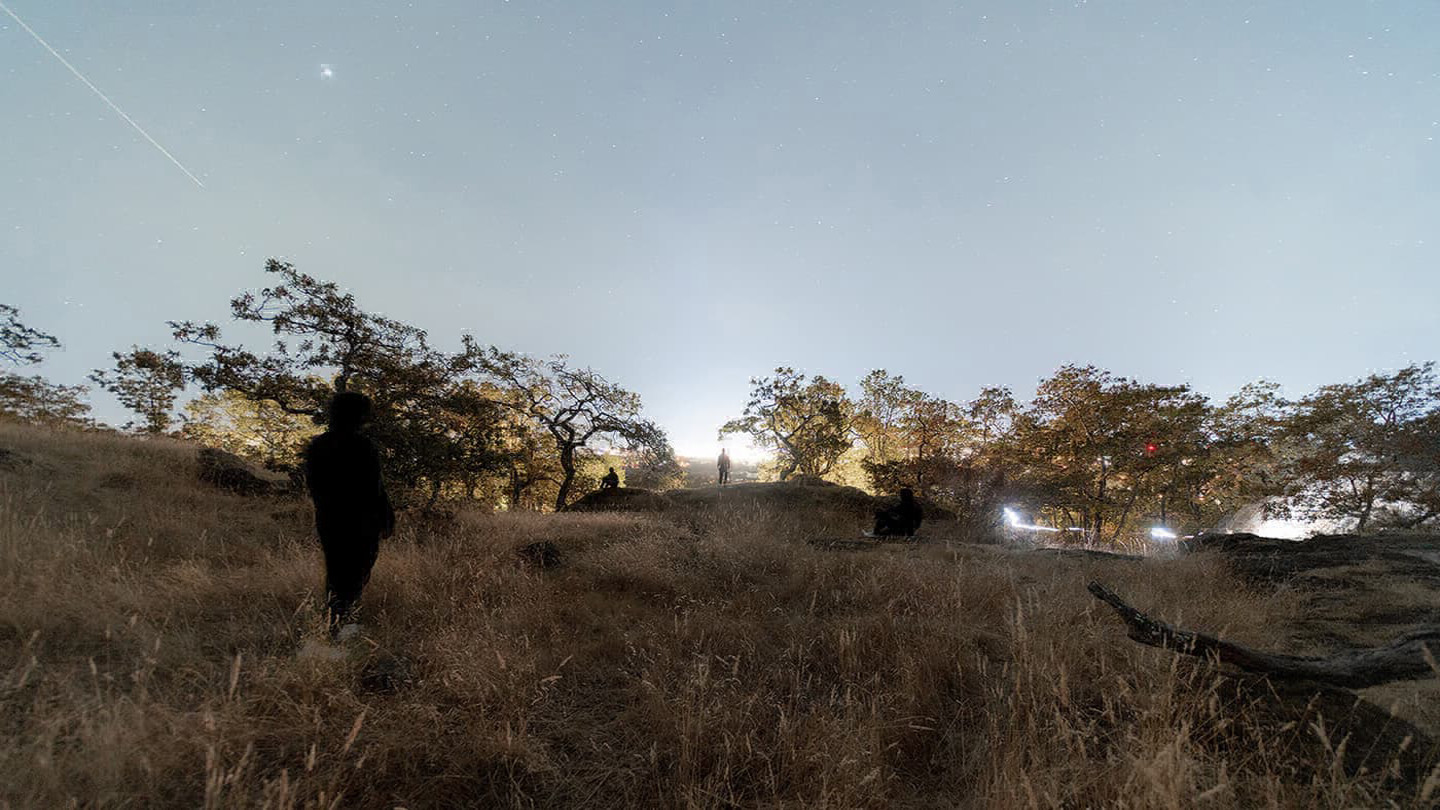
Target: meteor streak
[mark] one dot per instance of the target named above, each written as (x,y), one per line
(103,97)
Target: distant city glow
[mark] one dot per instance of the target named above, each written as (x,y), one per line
(1283,529)
(741,452)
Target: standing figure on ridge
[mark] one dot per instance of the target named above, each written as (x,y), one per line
(723,465)
(610,481)
(902,520)
(352,509)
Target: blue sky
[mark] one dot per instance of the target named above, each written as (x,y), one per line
(684,195)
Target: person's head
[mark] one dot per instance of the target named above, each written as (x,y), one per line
(349,411)
(612,470)
(907,495)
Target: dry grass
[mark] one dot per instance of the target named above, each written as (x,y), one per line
(149,629)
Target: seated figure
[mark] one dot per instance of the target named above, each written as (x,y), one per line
(902,520)
(611,480)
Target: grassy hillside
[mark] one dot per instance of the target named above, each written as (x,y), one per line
(149,631)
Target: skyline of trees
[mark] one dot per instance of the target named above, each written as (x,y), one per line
(1091,450)
(1109,457)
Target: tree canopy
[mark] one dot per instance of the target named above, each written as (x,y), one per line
(807,422)
(35,399)
(576,406)
(1091,452)
(1368,445)
(147,382)
(477,422)
(20,344)
(1107,457)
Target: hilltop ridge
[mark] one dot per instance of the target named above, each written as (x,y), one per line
(806,495)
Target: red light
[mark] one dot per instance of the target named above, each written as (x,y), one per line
(1151,448)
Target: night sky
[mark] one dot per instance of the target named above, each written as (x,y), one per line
(684,195)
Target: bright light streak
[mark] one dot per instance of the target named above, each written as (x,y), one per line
(1162,533)
(1013,518)
(103,97)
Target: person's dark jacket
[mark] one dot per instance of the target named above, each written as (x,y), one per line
(901,520)
(908,515)
(342,472)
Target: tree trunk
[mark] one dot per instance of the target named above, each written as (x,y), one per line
(567,463)
(1368,507)
(1124,516)
(516,490)
(1099,516)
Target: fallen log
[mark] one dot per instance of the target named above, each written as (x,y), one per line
(1410,657)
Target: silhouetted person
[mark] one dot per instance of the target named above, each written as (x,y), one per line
(723,465)
(352,510)
(610,481)
(902,520)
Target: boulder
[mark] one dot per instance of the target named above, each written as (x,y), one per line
(231,473)
(1267,560)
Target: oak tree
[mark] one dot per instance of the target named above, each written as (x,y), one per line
(1368,445)
(35,399)
(20,344)
(578,407)
(147,382)
(807,422)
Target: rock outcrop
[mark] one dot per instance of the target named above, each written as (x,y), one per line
(231,473)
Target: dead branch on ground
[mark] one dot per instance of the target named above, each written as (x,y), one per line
(1406,658)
